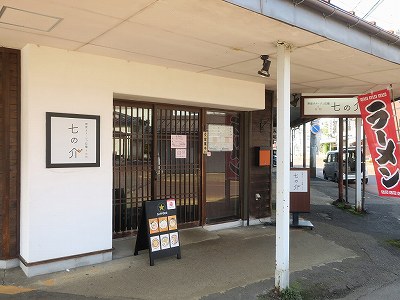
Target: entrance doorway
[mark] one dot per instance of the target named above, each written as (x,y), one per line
(223,170)
(146,165)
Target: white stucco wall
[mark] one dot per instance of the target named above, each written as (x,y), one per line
(68,211)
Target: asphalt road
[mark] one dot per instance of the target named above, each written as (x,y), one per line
(371,187)
(378,264)
(373,274)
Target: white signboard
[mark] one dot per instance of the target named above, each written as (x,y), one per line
(298,181)
(331,107)
(220,137)
(178,141)
(72,140)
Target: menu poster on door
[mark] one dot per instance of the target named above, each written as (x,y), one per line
(180,153)
(220,137)
(178,141)
(158,230)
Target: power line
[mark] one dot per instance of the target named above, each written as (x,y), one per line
(357,5)
(379,2)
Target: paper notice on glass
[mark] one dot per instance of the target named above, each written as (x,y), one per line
(180,153)
(178,141)
(220,137)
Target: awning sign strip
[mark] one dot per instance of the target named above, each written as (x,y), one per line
(330,107)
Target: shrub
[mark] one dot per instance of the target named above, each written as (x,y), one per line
(290,294)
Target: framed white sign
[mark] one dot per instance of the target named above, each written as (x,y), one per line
(72,140)
(298,181)
(330,107)
(220,137)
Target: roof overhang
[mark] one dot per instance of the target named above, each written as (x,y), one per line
(331,54)
(329,21)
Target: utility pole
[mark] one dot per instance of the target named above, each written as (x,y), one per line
(313,153)
(340,160)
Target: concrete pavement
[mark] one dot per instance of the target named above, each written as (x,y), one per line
(230,258)
(345,256)
(387,291)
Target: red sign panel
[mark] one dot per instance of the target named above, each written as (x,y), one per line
(380,129)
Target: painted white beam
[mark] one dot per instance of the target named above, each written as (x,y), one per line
(358,165)
(283,167)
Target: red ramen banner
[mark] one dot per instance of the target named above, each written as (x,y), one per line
(380,129)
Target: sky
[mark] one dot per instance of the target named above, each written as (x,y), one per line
(386,13)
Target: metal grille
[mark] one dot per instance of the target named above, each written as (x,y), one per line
(133,142)
(146,167)
(178,178)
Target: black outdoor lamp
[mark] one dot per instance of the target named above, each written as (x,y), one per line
(264,72)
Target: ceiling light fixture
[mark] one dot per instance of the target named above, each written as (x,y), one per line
(264,72)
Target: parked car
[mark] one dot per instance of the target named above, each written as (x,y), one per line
(331,166)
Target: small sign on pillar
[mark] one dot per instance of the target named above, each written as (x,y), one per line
(300,196)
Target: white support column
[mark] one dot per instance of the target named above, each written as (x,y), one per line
(358,165)
(283,167)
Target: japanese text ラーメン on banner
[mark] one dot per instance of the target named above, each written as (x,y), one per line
(380,129)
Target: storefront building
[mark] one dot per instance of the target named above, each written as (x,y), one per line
(178,107)
(69,215)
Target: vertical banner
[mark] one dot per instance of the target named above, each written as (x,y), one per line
(380,129)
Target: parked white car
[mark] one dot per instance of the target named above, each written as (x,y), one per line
(331,166)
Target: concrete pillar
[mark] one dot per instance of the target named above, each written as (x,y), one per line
(283,167)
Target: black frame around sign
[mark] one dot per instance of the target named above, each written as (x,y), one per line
(49,164)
